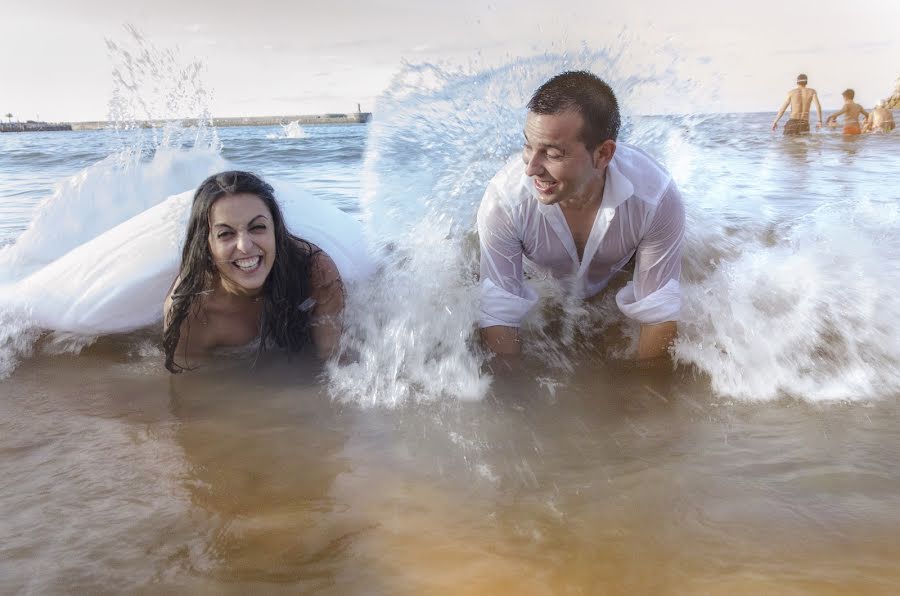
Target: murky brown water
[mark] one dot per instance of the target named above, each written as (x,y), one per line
(116,477)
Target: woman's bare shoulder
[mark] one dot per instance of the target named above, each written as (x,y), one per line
(323,271)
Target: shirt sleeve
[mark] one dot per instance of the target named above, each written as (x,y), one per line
(505,298)
(654,296)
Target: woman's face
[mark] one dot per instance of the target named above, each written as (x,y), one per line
(242,242)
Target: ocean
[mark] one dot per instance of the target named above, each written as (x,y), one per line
(764,461)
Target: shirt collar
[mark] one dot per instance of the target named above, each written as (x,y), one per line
(618,188)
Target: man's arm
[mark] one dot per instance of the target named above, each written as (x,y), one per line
(784,107)
(504,297)
(836,114)
(867,125)
(654,296)
(818,109)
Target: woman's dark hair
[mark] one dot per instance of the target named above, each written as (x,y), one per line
(285,312)
(588,95)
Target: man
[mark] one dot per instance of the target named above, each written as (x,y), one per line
(851,111)
(800,100)
(880,119)
(579,206)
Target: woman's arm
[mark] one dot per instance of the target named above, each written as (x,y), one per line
(327,315)
(193,338)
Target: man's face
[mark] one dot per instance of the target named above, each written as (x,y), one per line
(560,166)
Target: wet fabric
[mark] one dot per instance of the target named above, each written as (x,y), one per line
(852,129)
(118,280)
(795,126)
(641,215)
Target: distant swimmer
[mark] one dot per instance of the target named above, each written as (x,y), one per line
(880,119)
(244,277)
(851,112)
(800,100)
(578,205)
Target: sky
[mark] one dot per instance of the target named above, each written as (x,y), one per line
(274,57)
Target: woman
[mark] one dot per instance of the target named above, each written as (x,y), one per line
(244,276)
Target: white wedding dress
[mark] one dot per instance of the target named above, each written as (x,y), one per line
(118,280)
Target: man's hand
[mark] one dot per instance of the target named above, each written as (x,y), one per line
(503,341)
(655,340)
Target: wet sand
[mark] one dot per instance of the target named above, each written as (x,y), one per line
(116,477)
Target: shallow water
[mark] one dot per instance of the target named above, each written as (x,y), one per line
(765,462)
(118,477)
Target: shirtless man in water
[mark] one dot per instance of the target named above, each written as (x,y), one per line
(880,119)
(800,100)
(851,111)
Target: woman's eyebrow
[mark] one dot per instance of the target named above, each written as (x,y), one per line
(255,217)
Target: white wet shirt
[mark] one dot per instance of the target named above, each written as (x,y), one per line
(641,214)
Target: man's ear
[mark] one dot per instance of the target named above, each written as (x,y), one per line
(603,154)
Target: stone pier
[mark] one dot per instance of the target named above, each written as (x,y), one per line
(32,126)
(307,119)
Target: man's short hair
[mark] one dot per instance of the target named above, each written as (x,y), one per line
(801,79)
(588,95)
(849,93)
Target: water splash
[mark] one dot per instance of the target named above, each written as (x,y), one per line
(99,198)
(809,313)
(438,136)
(410,329)
(291,130)
(152,87)
(159,99)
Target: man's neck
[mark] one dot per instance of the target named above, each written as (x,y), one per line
(589,201)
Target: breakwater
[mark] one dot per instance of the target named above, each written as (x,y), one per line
(306,119)
(32,126)
(893,101)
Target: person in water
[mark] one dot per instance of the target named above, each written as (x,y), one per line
(851,112)
(800,100)
(880,119)
(244,276)
(579,205)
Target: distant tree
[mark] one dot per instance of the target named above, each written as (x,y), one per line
(9,117)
